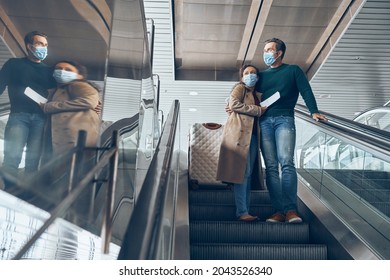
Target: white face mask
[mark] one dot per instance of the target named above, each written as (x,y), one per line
(64,77)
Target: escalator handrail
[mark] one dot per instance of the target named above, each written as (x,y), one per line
(343,122)
(122,126)
(377,140)
(142,236)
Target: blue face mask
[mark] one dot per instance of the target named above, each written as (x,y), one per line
(64,77)
(269,58)
(250,80)
(39,52)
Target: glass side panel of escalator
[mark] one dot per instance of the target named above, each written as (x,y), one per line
(366,175)
(349,178)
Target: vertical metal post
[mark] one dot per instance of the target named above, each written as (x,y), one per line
(94,188)
(108,213)
(77,160)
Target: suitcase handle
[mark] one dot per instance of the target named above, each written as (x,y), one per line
(212,125)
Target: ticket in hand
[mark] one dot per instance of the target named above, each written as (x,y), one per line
(35,95)
(270,100)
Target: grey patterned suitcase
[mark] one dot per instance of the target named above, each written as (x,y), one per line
(204,144)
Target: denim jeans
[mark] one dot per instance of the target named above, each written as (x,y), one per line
(277,144)
(23,130)
(242,191)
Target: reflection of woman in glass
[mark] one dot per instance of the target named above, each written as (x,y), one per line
(71,107)
(240,142)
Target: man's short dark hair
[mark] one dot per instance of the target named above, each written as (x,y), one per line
(29,38)
(280,45)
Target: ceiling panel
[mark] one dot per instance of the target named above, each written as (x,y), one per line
(207,30)
(342,86)
(197,46)
(356,73)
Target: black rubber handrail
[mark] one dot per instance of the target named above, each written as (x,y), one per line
(122,126)
(364,136)
(142,236)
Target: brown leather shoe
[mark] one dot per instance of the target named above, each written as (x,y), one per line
(277,217)
(292,217)
(247,218)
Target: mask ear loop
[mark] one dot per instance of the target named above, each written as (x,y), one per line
(277,56)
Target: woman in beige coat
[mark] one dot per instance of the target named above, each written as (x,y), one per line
(240,142)
(71,108)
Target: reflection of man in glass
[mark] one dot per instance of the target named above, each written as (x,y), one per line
(26,120)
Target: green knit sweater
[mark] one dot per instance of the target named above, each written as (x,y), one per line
(289,80)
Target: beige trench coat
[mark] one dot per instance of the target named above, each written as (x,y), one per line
(237,135)
(70,109)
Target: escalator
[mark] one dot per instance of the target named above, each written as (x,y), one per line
(173,221)
(214,235)
(166,219)
(344,198)
(47,204)
(346,166)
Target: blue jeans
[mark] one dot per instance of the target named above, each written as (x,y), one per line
(242,191)
(23,130)
(277,144)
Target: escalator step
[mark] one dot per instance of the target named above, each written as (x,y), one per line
(227,212)
(211,251)
(225,197)
(241,232)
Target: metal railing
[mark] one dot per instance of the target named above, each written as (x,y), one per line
(346,166)
(79,182)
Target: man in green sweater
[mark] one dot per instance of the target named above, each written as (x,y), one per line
(25,124)
(278,128)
